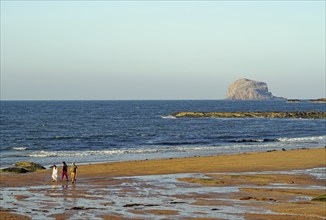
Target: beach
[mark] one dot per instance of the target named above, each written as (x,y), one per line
(162,110)
(259,185)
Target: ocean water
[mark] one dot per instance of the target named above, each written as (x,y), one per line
(49,132)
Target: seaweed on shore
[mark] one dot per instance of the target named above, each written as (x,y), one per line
(321,198)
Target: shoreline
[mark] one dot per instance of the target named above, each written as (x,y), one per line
(250,161)
(233,186)
(236,146)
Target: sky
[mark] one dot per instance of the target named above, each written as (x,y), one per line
(140,50)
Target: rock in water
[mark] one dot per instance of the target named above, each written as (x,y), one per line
(246,89)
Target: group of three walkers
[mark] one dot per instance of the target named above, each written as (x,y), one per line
(73,172)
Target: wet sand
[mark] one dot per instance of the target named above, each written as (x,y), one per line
(265,185)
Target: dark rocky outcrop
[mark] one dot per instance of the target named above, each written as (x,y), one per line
(307,115)
(15,170)
(246,89)
(30,166)
(23,167)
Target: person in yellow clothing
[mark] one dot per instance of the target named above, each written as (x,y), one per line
(73,172)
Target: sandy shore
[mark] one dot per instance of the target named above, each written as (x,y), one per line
(264,185)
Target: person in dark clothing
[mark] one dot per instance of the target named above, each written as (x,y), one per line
(64,171)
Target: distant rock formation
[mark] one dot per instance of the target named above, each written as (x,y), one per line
(246,89)
(309,115)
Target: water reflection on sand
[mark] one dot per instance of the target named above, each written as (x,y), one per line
(144,197)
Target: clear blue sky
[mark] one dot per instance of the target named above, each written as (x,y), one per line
(160,49)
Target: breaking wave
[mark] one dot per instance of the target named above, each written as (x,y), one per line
(19,148)
(311,139)
(254,140)
(315,139)
(170,147)
(168,117)
(113,152)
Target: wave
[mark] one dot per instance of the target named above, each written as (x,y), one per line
(62,138)
(255,140)
(170,147)
(315,139)
(168,117)
(177,143)
(310,139)
(19,148)
(160,150)
(89,153)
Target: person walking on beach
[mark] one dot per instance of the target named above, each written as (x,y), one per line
(64,170)
(73,172)
(54,173)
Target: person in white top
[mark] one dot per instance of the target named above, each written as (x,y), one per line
(54,173)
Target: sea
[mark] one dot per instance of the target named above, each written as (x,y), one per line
(49,132)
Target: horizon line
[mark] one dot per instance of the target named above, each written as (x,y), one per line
(225,99)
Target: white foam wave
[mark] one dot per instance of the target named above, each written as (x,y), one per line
(89,153)
(19,148)
(168,117)
(120,151)
(319,139)
(287,143)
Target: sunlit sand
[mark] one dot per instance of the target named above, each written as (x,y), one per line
(274,185)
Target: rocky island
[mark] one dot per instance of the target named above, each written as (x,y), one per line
(246,89)
(305,115)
